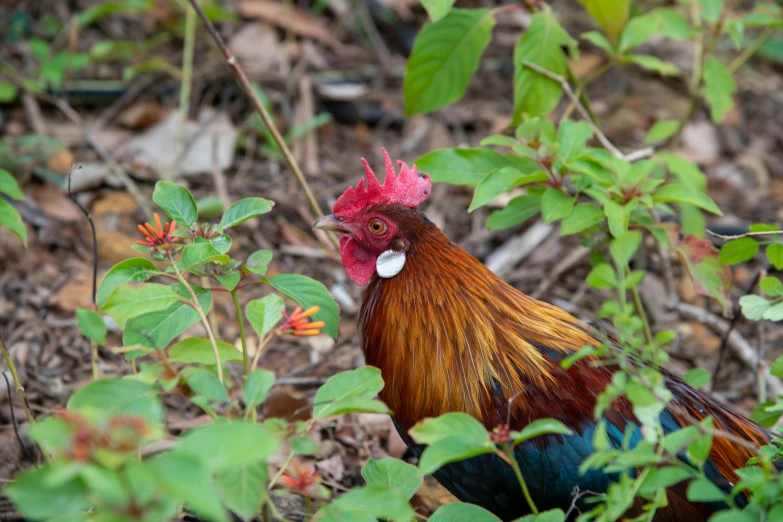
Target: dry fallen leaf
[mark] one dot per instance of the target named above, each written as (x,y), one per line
(296,20)
(76,293)
(55,203)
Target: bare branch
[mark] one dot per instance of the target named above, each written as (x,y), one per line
(746,234)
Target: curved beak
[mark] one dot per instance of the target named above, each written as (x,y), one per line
(331,223)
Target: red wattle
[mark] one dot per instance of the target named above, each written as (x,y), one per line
(358,262)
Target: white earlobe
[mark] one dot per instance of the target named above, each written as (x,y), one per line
(390,263)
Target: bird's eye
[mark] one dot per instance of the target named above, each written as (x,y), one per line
(377,226)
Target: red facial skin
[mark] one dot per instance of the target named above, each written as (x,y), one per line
(360,249)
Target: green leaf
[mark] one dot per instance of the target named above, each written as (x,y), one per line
(9,186)
(7,92)
(119,396)
(466,166)
(206,384)
(37,497)
(661,130)
(500,180)
(775,255)
(258,262)
(243,489)
(602,277)
(227,444)
(555,205)
(256,388)
(10,219)
(572,138)
(638,30)
(350,391)
(229,281)
(448,425)
(245,209)
(651,63)
(553,515)
(517,211)
(158,329)
(677,193)
(130,301)
(445,55)
(370,503)
(710,277)
(198,254)
(686,171)
(540,427)
(452,449)
(400,476)
(673,24)
(265,313)
(461,512)
(719,87)
(437,9)
(771,286)
(184,478)
(307,292)
(584,216)
(91,325)
(703,490)
(303,445)
(199,350)
(697,377)
(711,10)
(542,44)
(662,478)
(777,367)
(611,15)
(618,217)
(738,251)
(600,41)
(775,313)
(177,201)
(209,207)
(624,247)
(764,416)
(133,270)
(754,306)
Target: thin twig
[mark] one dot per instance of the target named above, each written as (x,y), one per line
(94,239)
(637,155)
(13,414)
(746,234)
(750,50)
(19,388)
(244,82)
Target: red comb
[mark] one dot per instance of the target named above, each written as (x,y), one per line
(410,189)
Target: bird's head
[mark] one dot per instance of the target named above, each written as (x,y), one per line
(368,215)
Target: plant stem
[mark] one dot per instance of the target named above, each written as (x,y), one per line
(15,376)
(244,82)
(260,349)
(518,472)
(280,471)
(201,314)
(637,303)
(241,321)
(96,371)
(751,50)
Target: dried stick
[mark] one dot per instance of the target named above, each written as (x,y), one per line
(244,82)
(746,234)
(15,376)
(634,156)
(13,415)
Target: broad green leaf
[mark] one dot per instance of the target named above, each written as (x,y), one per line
(673,24)
(540,427)
(256,388)
(754,306)
(584,216)
(307,292)
(611,15)
(451,449)
(187,480)
(602,277)
(445,55)
(303,445)
(133,270)
(735,515)
(400,476)
(263,314)
(37,497)
(245,209)
(711,10)
(230,280)
(618,217)
(198,254)
(243,489)
(678,193)
(9,186)
(437,9)
(763,416)
(624,247)
(258,262)
(350,391)
(719,87)
(572,139)
(119,396)
(704,490)
(637,31)
(177,201)
(227,444)
(462,512)
(775,313)
(663,478)
(91,325)
(542,44)
(369,503)
(448,425)
(686,171)
(555,205)
(517,211)
(199,350)
(499,140)
(158,329)
(552,515)
(130,301)
(710,277)
(600,41)
(206,384)
(10,219)
(209,207)
(661,130)
(7,92)
(775,255)
(651,63)
(697,377)
(466,166)
(500,180)
(739,250)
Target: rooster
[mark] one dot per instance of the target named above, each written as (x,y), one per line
(449,335)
